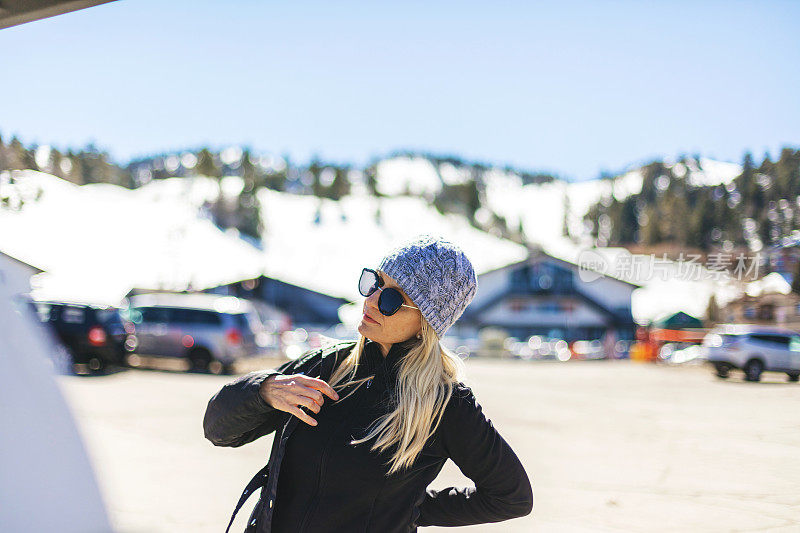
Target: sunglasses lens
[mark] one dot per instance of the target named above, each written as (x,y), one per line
(368,283)
(390,301)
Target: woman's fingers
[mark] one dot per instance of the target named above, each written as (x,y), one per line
(299,413)
(322,386)
(304,398)
(291,393)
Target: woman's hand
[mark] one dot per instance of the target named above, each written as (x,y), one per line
(289,393)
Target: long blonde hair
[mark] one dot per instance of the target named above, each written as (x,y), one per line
(426,378)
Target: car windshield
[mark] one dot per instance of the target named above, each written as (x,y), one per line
(241,321)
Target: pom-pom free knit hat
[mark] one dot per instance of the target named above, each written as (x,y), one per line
(436,275)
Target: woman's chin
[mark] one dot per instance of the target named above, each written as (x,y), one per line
(366,324)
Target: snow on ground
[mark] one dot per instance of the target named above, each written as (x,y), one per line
(416,174)
(711,172)
(772,283)
(328,257)
(98,241)
(665,286)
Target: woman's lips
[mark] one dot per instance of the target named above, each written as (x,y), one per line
(368,320)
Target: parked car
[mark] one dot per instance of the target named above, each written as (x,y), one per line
(587,350)
(753,349)
(209,330)
(93,335)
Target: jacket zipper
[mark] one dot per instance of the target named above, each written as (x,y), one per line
(315,499)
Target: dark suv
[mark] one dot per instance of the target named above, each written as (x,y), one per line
(95,336)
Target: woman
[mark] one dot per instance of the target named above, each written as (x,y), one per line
(381,419)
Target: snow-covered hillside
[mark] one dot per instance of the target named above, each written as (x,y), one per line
(540,207)
(327,251)
(98,241)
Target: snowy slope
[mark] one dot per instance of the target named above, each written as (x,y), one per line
(96,242)
(541,207)
(416,174)
(329,256)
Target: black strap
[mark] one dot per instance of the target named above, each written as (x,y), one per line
(258,481)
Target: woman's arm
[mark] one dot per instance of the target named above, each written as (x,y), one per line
(237,414)
(502,489)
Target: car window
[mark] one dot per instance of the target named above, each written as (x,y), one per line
(43,311)
(73,315)
(195,316)
(794,343)
(241,321)
(152,314)
(774,339)
(107,316)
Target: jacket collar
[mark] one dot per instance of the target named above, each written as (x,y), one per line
(389,365)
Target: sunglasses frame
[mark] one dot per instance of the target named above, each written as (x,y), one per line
(379,287)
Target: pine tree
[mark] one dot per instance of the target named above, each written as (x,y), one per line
(248,171)
(315,168)
(16,155)
(796,279)
(206,166)
(712,312)
(341,185)
(249,214)
(3,156)
(76,169)
(371,175)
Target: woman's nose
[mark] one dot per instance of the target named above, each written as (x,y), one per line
(372,299)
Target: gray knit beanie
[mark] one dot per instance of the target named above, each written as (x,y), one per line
(436,275)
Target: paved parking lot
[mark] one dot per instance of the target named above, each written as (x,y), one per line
(609,446)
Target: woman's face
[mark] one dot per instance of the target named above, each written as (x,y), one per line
(387,330)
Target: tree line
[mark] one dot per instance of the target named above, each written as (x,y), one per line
(760,205)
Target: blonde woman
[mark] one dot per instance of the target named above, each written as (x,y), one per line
(363,427)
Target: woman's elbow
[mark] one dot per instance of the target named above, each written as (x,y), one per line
(210,432)
(523,505)
(212,428)
(526,507)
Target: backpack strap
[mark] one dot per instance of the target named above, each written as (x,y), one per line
(259,480)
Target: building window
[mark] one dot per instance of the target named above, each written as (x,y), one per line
(517,305)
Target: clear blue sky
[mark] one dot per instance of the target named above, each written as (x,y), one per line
(569,87)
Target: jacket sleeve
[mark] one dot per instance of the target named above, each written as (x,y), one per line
(237,414)
(502,489)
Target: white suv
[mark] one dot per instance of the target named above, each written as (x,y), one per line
(753,349)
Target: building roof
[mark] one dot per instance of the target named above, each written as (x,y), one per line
(540,253)
(21,262)
(14,12)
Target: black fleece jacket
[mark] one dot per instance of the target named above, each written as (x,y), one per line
(319,483)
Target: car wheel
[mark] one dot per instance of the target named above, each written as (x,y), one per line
(794,376)
(200,360)
(96,364)
(753,370)
(722,370)
(217,368)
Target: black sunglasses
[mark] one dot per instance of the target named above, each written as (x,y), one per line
(390,301)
